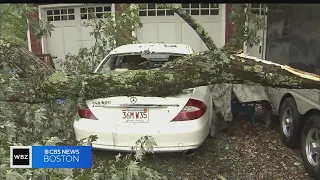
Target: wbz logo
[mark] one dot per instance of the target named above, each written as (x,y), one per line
(20,156)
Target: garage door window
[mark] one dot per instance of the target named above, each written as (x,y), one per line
(201,9)
(258,9)
(60,14)
(99,12)
(154,10)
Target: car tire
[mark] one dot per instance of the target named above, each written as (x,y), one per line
(289,123)
(308,156)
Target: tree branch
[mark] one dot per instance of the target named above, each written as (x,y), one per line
(203,34)
(29,64)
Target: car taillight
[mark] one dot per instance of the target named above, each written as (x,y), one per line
(194,109)
(84,112)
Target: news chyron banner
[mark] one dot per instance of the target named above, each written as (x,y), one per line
(50,157)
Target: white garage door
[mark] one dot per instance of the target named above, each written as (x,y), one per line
(161,25)
(260,49)
(69,33)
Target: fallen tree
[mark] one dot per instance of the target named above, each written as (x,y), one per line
(192,71)
(207,68)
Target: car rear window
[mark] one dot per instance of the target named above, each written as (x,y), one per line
(136,61)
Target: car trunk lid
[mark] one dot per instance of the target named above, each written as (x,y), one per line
(138,110)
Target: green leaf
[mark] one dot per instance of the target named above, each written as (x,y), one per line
(139,154)
(132,169)
(53,141)
(118,157)
(13,175)
(149,144)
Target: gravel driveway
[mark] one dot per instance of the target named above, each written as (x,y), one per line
(239,153)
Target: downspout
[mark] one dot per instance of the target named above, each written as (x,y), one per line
(224,19)
(113,11)
(132,6)
(28,36)
(266,48)
(0,22)
(42,38)
(264,31)
(246,24)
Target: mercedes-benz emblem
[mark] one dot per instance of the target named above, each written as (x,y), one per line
(133,100)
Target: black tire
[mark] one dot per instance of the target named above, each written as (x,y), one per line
(312,123)
(290,138)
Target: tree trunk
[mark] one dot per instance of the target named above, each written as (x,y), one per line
(192,71)
(28,63)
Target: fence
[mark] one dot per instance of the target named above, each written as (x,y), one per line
(47,59)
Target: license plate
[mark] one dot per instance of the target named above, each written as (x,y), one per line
(135,115)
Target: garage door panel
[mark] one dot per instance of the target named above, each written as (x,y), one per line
(70,34)
(207,18)
(190,37)
(167,33)
(56,46)
(153,19)
(87,40)
(71,40)
(214,31)
(148,33)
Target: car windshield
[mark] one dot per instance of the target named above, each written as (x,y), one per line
(136,61)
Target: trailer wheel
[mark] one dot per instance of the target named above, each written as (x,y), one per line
(310,146)
(289,123)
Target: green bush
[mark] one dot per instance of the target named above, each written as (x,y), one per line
(51,124)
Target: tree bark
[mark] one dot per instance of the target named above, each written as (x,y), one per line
(188,72)
(18,56)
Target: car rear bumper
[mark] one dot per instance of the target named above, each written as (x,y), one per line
(174,136)
(155,149)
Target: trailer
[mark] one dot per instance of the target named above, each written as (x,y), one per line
(292,37)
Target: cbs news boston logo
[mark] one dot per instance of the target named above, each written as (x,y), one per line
(50,157)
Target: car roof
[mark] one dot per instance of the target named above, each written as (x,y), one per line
(153,47)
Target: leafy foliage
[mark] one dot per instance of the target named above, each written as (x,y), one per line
(52,123)
(39,124)
(110,32)
(246,26)
(83,62)
(15,23)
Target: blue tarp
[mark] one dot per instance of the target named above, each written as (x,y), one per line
(60,101)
